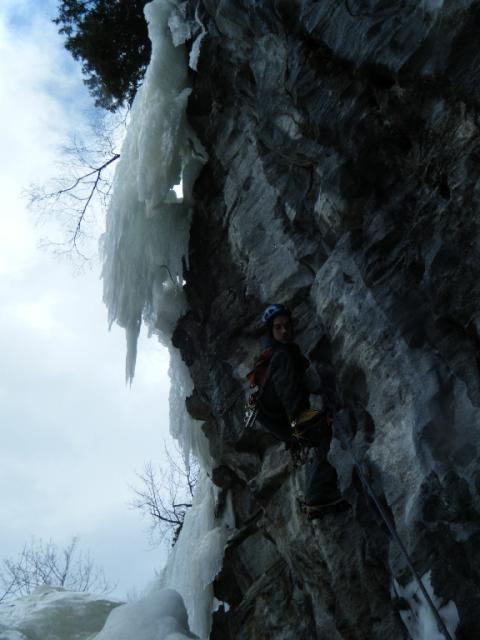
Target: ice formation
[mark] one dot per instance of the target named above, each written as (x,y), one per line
(51,613)
(147,224)
(159,615)
(146,242)
(419,619)
(145,247)
(197,556)
(55,614)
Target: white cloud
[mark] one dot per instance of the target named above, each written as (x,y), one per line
(33,124)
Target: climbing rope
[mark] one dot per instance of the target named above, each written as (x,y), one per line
(345,441)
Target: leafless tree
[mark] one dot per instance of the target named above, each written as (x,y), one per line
(79,193)
(44,563)
(165,495)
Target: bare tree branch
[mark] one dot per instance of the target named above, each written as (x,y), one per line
(79,194)
(164,496)
(41,563)
(82,190)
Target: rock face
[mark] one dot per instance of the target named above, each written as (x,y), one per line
(343,181)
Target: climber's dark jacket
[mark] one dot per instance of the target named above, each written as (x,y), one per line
(285,394)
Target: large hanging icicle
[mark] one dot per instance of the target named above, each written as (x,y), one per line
(147,224)
(146,241)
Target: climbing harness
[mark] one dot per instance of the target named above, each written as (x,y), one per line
(301,444)
(366,485)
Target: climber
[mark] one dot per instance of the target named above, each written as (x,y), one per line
(282,401)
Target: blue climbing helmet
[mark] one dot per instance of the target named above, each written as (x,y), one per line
(272,311)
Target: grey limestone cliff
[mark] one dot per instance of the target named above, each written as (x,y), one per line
(342,180)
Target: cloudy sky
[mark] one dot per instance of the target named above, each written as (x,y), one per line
(73,435)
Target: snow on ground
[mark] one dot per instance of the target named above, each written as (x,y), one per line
(54,614)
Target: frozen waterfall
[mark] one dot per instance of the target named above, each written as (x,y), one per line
(145,246)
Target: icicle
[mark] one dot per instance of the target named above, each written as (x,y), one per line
(146,239)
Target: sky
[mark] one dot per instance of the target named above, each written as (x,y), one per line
(73,435)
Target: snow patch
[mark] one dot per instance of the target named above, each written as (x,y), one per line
(418,618)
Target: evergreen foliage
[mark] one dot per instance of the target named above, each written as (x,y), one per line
(110,38)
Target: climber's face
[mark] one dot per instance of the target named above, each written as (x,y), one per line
(282,329)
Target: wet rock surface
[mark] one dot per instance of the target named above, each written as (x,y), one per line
(343,181)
